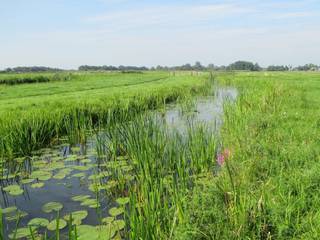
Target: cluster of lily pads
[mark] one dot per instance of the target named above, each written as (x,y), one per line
(50,164)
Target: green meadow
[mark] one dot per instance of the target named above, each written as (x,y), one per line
(95,155)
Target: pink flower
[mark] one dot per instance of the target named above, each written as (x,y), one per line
(222,157)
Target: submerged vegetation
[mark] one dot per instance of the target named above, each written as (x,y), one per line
(245,170)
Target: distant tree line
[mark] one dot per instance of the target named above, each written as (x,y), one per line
(236,66)
(112,68)
(31,69)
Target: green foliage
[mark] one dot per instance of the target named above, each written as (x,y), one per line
(273,133)
(244,66)
(32,115)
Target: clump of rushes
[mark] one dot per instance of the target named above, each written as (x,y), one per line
(162,175)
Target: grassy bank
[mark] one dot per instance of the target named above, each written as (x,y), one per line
(27,78)
(34,115)
(269,187)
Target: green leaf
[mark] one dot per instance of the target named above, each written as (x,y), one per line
(27,181)
(37,185)
(52,206)
(76,216)
(52,226)
(80,198)
(107,220)
(123,201)
(20,233)
(13,190)
(14,216)
(79,175)
(9,210)
(116,211)
(38,222)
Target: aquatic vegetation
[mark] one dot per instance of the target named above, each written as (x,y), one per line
(9,210)
(13,190)
(54,109)
(52,206)
(76,217)
(38,222)
(273,129)
(37,185)
(116,211)
(20,233)
(57,224)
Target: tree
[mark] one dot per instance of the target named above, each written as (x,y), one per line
(244,66)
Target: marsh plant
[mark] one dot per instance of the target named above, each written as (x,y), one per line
(165,165)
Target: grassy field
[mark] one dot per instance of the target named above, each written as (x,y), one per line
(34,114)
(269,187)
(258,180)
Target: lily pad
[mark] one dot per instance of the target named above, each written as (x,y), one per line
(52,226)
(59,176)
(13,190)
(37,185)
(123,201)
(9,210)
(77,217)
(41,175)
(15,216)
(82,168)
(86,160)
(27,181)
(80,198)
(38,222)
(85,232)
(52,206)
(116,211)
(91,203)
(79,175)
(20,233)
(119,224)
(71,158)
(107,220)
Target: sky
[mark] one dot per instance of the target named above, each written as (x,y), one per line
(70,33)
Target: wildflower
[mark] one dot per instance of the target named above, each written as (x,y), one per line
(222,157)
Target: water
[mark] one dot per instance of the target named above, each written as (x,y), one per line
(83,159)
(204,110)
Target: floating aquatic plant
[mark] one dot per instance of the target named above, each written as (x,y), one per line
(37,185)
(52,206)
(38,222)
(14,190)
(60,223)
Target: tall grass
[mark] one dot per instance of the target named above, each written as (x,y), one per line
(272,133)
(166,164)
(16,79)
(21,132)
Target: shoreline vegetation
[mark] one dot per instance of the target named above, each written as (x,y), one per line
(268,189)
(34,115)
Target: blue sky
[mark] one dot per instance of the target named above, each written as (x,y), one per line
(69,33)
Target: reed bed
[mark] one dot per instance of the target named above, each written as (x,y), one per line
(266,188)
